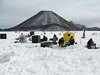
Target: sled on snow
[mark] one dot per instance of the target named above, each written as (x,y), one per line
(47,44)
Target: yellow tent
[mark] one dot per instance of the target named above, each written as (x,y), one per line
(67,36)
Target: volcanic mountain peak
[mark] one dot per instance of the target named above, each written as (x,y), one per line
(44,11)
(44,20)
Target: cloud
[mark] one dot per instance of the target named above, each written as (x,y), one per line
(85,12)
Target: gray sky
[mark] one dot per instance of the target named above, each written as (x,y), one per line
(85,12)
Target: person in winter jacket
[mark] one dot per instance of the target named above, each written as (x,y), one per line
(44,39)
(54,36)
(54,39)
(90,43)
(22,38)
(71,41)
(61,41)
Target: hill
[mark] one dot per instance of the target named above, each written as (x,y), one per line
(78,25)
(84,27)
(45,20)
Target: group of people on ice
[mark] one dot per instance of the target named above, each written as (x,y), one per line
(61,42)
(64,44)
(22,39)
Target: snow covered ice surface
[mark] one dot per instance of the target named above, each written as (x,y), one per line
(31,59)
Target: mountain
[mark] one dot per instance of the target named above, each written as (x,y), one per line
(93,29)
(86,28)
(0,29)
(45,20)
(78,25)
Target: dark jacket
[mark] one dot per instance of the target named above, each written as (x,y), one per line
(44,38)
(71,41)
(90,42)
(61,41)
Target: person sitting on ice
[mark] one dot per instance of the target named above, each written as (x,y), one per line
(61,42)
(22,38)
(91,44)
(44,39)
(71,41)
(55,37)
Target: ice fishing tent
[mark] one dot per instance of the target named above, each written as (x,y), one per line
(67,36)
(36,39)
(3,36)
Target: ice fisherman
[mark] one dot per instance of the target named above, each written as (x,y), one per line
(55,38)
(71,40)
(22,38)
(90,43)
(44,38)
(61,41)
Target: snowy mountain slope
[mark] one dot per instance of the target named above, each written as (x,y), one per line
(78,25)
(0,29)
(31,59)
(86,28)
(45,18)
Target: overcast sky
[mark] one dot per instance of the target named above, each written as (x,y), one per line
(85,12)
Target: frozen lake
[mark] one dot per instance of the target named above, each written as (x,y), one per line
(31,59)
